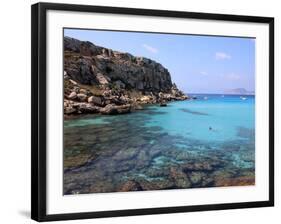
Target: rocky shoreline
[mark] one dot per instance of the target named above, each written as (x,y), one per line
(100,80)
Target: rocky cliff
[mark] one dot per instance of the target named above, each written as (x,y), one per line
(100,80)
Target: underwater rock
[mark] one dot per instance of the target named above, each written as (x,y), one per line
(204,163)
(200,179)
(235,181)
(154,153)
(130,186)
(76,161)
(142,160)
(245,132)
(200,166)
(196,177)
(180,178)
(155,172)
(118,167)
(181,155)
(101,187)
(157,184)
(126,154)
(193,112)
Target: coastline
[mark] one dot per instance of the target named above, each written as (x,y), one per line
(104,81)
(81,100)
(188,144)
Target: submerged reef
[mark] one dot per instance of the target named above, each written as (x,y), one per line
(123,154)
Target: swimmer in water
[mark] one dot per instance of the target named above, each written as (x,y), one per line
(210,128)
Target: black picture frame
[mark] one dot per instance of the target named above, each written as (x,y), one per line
(38,108)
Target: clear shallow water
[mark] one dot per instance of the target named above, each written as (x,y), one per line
(224,114)
(197,143)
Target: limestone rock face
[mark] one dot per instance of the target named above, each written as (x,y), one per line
(89,64)
(109,79)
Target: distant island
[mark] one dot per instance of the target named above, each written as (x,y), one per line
(101,80)
(239,91)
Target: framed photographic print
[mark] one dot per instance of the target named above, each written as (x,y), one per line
(139,111)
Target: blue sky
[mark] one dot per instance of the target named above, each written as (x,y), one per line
(197,64)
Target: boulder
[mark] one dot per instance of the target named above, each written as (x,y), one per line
(65,75)
(112,109)
(87,108)
(83,91)
(163,103)
(145,99)
(82,97)
(117,100)
(95,100)
(72,96)
(119,84)
(73,82)
(136,106)
(69,110)
(102,79)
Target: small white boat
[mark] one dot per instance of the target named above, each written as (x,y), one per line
(205,98)
(243,98)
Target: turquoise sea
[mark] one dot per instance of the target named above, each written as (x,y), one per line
(205,142)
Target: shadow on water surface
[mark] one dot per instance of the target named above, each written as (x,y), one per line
(193,112)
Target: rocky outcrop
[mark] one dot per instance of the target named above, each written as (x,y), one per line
(114,109)
(100,80)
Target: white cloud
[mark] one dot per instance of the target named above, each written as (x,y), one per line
(150,49)
(222,56)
